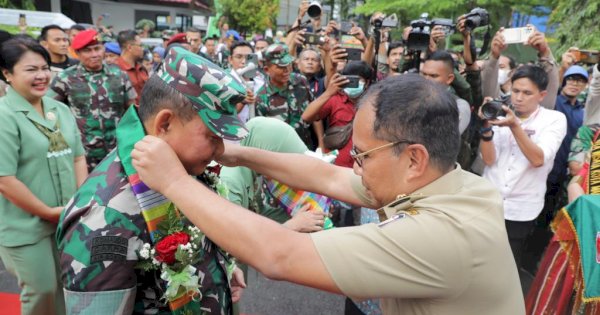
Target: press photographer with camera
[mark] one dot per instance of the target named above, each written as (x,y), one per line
(491,71)
(519,149)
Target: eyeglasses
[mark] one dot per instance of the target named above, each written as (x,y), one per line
(576,81)
(359,157)
(240,56)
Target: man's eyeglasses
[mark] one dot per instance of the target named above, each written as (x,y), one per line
(576,81)
(358,157)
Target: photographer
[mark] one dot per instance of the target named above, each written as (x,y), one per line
(238,61)
(518,151)
(490,72)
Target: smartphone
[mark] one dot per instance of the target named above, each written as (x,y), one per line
(354,80)
(353,46)
(517,35)
(313,39)
(589,57)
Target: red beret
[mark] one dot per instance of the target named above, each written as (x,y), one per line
(177,38)
(84,39)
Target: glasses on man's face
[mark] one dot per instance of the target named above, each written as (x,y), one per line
(359,157)
(576,81)
(240,56)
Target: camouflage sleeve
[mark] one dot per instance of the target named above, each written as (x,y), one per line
(58,89)
(581,144)
(129,90)
(262,102)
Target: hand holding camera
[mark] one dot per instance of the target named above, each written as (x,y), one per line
(492,109)
(338,54)
(498,44)
(537,40)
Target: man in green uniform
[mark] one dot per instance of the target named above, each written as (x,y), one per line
(110,221)
(285,95)
(441,246)
(97,94)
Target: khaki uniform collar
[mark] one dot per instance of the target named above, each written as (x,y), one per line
(447,184)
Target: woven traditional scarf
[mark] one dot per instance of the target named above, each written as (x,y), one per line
(60,156)
(154,205)
(593,182)
(292,200)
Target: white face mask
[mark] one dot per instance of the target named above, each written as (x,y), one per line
(502,76)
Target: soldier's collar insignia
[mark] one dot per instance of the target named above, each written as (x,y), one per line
(402,205)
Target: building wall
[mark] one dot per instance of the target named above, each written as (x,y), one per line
(122,15)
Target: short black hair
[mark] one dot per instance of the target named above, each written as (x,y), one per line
(393,46)
(535,74)
(240,44)
(157,95)
(125,37)
(78,27)
(13,49)
(359,68)
(46,29)
(214,37)
(512,63)
(443,56)
(193,30)
(410,107)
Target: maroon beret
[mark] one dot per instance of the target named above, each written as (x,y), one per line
(85,38)
(177,38)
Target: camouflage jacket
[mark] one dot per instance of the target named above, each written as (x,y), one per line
(98,235)
(98,100)
(285,104)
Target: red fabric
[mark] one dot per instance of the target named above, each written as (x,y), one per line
(138,76)
(84,39)
(340,111)
(10,304)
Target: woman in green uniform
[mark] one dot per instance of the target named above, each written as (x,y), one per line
(42,163)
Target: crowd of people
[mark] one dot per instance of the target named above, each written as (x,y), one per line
(439,183)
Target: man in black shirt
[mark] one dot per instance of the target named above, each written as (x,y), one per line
(56,42)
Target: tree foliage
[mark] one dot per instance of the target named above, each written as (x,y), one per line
(23,4)
(576,24)
(251,15)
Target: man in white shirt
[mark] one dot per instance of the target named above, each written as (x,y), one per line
(518,151)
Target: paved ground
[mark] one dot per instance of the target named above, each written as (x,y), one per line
(263,297)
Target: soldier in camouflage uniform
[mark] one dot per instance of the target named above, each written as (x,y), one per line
(285,95)
(97,94)
(191,105)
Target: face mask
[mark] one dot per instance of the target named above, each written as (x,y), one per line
(355,92)
(502,76)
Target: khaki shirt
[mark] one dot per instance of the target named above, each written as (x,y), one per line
(445,252)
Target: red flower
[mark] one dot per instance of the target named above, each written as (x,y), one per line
(167,247)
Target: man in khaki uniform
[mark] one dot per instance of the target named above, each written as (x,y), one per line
(442,246)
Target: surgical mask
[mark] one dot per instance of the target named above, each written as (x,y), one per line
(502,76)
(355,92)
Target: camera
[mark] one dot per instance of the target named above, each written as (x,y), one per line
(418,38)
(314,10)
(383,21)
(476,18)
(493,109)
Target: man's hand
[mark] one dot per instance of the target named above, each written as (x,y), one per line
(338,54)
(510,120)
(568,58)
(336,84)
(460,27)
(357,32)
(54,215)
(498,44)
(230,154)
(306,221)
(331,26)
(303,9)
(437,35)
(406,32)
(237,284)
(299,38)
(537,40)
(250,98)
(157,164)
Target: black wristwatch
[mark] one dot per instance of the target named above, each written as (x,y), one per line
(486,138)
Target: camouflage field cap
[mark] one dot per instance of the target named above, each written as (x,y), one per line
(213,92)
(278,54)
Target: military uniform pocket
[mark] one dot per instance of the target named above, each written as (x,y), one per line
(100,302)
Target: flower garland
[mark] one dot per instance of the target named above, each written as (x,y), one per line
(177,248)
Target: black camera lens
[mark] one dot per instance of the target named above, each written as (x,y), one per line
(492,109)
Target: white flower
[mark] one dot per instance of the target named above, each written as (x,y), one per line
(152,251)
(155,262)
(144,253)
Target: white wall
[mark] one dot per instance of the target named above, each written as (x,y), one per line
(122,15)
